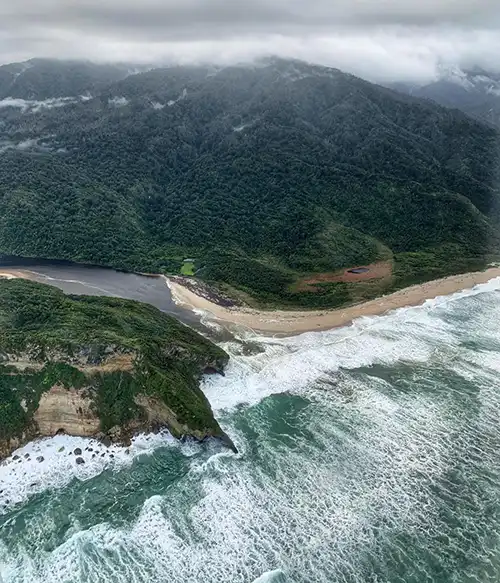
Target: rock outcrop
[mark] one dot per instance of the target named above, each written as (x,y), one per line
(98,367)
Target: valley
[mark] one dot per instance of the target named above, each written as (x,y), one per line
(266,176)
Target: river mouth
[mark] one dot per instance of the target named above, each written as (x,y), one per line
(75,278)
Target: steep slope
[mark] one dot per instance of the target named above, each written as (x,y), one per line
(265,175)
(474,91)
(43,79)
(100,367)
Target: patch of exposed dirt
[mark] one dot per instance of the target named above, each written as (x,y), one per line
(380,270)
(117,362)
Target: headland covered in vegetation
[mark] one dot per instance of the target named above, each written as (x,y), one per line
(98,367)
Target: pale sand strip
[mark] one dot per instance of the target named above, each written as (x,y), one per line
(13,274)
(285,323)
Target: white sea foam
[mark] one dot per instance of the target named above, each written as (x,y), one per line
(25,476)
(414,334)
(308,517)
(276,576)
(207,320)
(314,502)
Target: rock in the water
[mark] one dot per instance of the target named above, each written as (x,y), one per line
(106,440)
(77,451)
(61,449)
(40,458)
(16,457)
(26,456)
(80,461)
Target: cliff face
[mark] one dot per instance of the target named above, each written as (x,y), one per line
(98,367)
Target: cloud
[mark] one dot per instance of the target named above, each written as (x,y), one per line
(118,101)
(378,39)
(153,19)
(26,105)
(24,145)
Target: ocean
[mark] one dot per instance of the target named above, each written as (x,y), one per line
(366,454)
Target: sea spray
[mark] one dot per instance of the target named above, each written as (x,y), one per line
(50,463)
(366,454)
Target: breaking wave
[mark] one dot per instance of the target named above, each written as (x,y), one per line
(367,454)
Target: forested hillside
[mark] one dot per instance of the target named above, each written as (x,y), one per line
(265,175)
(42,79)
(474,91)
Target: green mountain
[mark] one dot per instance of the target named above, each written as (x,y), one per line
(474,91)
(43,79)
(266,175)
(98,367)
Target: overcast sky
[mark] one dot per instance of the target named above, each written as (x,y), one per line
(377,39)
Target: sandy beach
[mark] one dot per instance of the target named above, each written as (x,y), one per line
(288,323)
(291,322)
(13,274)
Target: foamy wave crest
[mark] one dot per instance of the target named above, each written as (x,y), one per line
(51,463)
(207,320)
(414,334)
(392,467)
(314,510)
(276,576)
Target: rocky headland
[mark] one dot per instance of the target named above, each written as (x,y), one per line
(98,367)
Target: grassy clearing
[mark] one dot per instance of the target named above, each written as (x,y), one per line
(187,268)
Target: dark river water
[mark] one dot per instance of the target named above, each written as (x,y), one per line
(73,278)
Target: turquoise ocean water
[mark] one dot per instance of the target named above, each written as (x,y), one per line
(367,454)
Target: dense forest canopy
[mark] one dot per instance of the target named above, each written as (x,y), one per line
(263,174)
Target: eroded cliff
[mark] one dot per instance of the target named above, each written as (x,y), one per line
(98,367)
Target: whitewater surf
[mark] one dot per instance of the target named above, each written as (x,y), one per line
(367,453)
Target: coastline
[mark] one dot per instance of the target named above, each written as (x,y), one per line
(290,323)
(14,274)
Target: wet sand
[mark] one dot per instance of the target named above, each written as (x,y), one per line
(288,323)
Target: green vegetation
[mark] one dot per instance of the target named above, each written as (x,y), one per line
(328,172)
(27,387)
(187,268)
(67,338)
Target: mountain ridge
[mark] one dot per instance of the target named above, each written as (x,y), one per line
(474,91)
(264,175)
